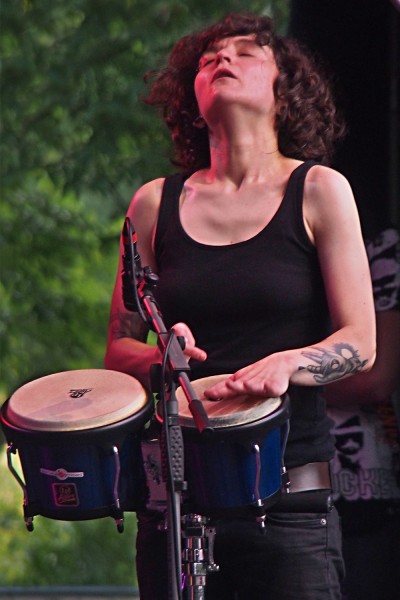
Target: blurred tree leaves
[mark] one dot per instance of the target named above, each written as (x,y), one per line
(72,77)
(72,81)
(56,282)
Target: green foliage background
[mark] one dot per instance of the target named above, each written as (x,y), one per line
(75,144)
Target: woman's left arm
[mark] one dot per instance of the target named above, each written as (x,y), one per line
(332,222)
(333,225)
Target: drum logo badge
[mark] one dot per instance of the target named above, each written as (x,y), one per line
(61,473)
(78,393)
(65,494)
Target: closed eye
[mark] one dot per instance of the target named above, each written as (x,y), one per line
(206,61)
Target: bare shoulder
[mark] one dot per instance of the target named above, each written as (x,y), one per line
(146,200)
(143,213)
(328,204)
(327,195)
(323,181)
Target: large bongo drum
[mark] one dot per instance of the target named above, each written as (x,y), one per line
(77,434)
(241,464)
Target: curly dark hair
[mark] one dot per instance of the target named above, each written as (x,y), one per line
(307,121)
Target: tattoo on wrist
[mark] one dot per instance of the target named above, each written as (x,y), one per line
(333,364)
(128,325)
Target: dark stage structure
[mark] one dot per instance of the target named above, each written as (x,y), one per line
(358,42)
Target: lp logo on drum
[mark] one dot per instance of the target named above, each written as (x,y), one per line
(65,494)
(79,393)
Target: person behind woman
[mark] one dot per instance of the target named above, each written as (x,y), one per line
(263,271)
(366,466)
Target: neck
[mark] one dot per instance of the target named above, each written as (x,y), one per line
(248,161)
(243,152)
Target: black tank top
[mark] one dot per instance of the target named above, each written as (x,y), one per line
(247,300)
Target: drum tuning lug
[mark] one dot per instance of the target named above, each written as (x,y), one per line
(29,523)
(120,525)
(285,481)
(260,516)
(261,524)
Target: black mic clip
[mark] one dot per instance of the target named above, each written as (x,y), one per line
(147,281)
(135,279)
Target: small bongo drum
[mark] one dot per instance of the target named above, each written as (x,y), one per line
(78,439)
(241,464)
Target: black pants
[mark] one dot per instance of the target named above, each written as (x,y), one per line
(298,557)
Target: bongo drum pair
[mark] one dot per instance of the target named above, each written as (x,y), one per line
(79,437)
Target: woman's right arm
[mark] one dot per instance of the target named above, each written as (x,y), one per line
(127,350)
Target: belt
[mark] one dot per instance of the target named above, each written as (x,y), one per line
(311,476)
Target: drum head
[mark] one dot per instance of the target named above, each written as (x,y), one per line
(76,400)
(225,413)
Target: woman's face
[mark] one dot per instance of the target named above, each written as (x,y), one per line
(236,70)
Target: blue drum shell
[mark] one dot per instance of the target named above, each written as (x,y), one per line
(221,469)
(70,475)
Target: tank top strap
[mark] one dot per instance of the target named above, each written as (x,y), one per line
(291,209)
(295,185)
(171,192)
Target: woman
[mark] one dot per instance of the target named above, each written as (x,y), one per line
(263,271)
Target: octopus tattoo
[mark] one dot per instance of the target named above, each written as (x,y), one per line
(332,365)
(128,325)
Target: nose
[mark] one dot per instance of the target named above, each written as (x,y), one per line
(223,55)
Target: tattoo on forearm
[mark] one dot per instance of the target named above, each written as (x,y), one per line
(128,325)
(333,364)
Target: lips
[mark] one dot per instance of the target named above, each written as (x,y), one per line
(222,73)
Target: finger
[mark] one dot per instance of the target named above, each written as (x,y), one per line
(190,349)
(253,384)
(195,353)
(219,390)
(183,330)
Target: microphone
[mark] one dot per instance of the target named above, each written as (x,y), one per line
(132,272)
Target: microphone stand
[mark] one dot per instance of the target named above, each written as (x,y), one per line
(143,282)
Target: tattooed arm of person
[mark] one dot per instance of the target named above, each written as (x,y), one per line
(127,350)
(329,365)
